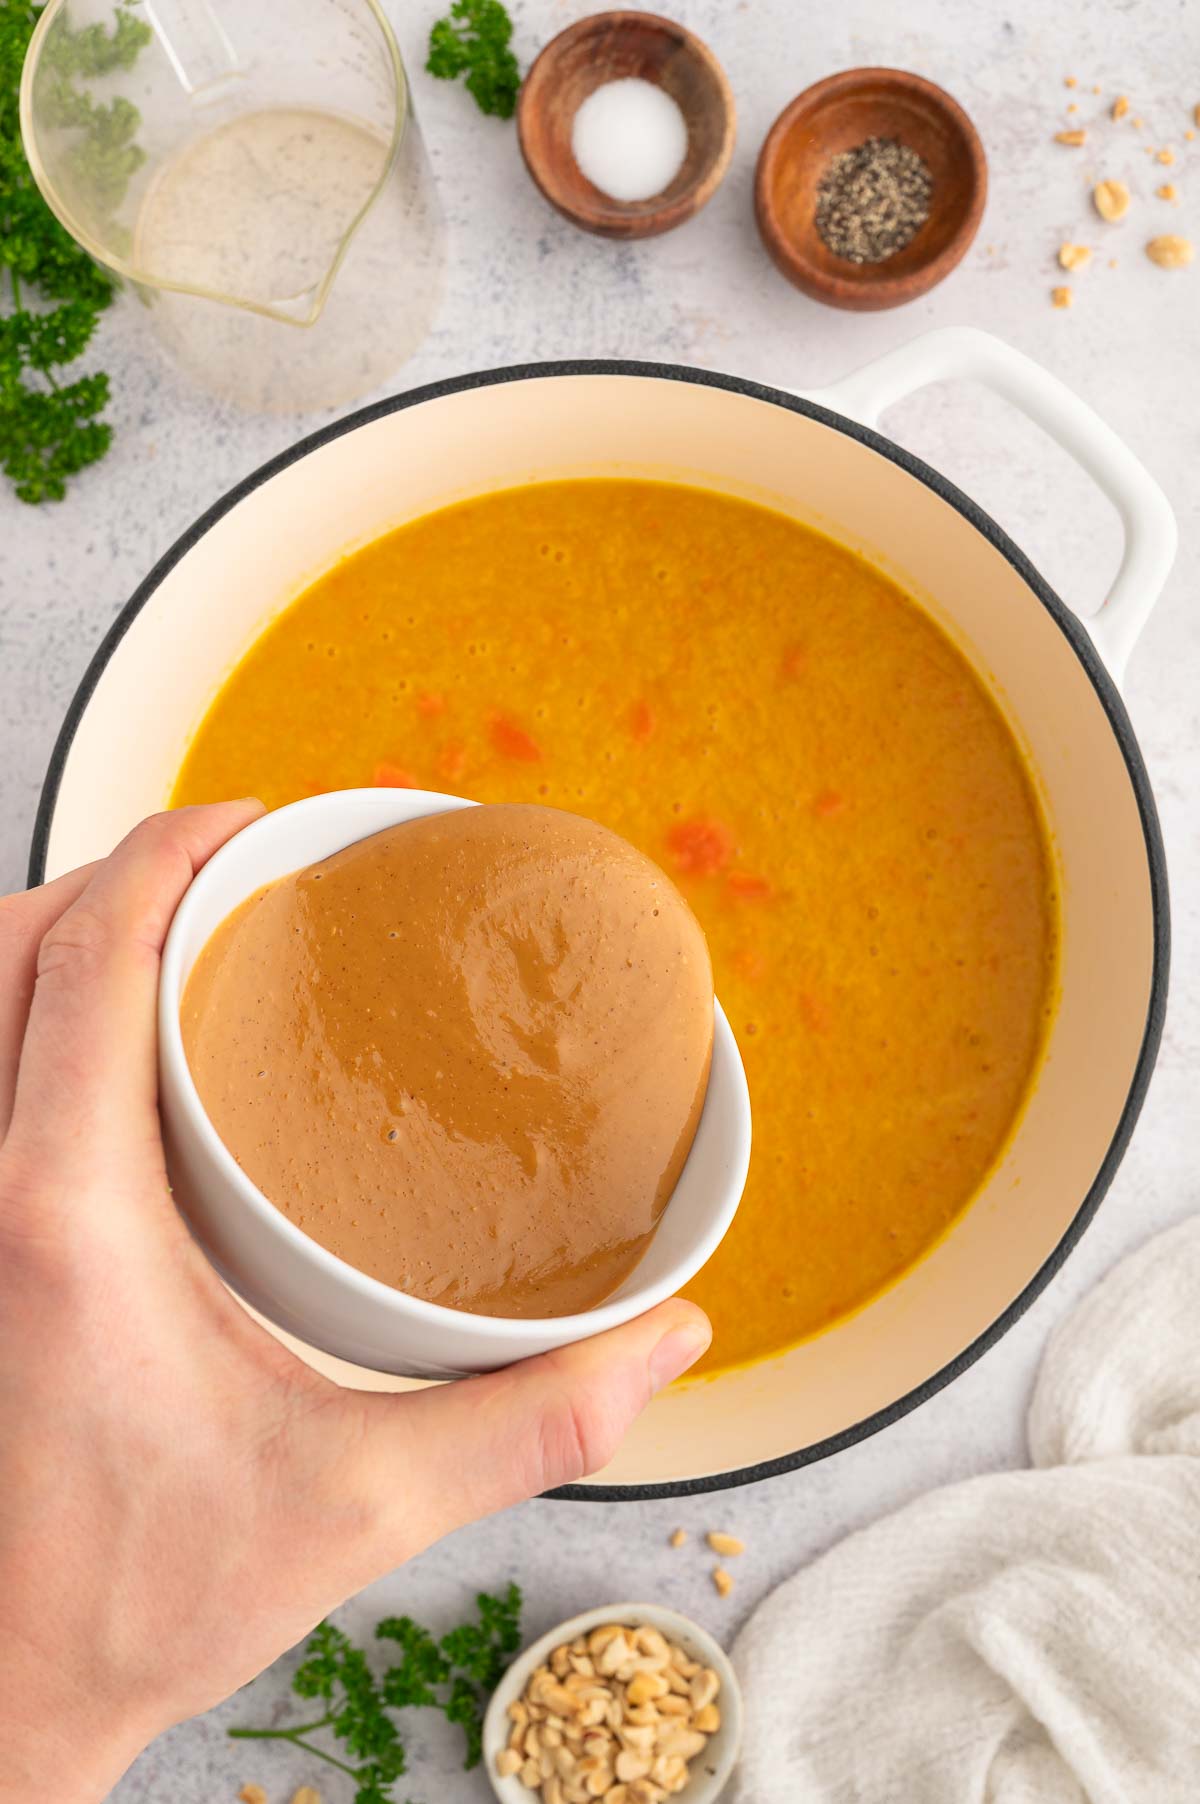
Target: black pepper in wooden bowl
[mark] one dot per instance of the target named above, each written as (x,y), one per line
(873,200)
(917,229)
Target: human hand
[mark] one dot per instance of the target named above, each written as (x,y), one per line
(181,1499)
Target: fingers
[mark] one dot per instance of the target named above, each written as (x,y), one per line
(86,1079)
(24,920)
(436,1459)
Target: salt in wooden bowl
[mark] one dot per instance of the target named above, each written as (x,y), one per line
(613,46)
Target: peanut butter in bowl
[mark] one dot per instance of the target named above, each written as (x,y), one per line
(468,1055)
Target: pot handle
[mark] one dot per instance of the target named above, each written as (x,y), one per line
(965,352)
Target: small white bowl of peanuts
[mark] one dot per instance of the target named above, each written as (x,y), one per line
(627,1704)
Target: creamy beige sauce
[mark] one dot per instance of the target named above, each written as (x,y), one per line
(467,1055)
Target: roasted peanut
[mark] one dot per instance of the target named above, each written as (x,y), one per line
(1111,200)
(1171,251)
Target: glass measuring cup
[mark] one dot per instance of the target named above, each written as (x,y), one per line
(255,171)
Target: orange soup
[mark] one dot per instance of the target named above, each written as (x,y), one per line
(806,752)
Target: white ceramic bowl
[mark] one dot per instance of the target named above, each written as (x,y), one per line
(710,1771)
(297,1284)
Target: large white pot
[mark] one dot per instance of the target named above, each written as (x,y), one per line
(814,458)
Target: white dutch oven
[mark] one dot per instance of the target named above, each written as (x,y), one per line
(816,458)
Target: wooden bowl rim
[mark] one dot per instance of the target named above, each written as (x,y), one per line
(622,218)
(868,291)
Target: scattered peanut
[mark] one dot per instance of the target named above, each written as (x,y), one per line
(307,1794)
(729,1544)
(1196,114)
(615,1717)
(1120,106)
(1171,251)
(1165,155)
(722,1581)
(1168,191)
(1069,81)
(1072,108)
(1062,297)
(1138,123)
(1073,137)
(679,1538)
(252,1794)
(1111,200)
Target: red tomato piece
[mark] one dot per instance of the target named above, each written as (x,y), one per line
(391,776)
(641,721)
(748,888)
(700,847)
(512,741)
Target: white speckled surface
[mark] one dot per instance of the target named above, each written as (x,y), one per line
(524,285)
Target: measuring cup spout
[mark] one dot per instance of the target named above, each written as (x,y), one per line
(230,161)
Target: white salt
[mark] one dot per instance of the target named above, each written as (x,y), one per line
(629,139)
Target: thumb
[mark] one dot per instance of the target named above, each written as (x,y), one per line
(439,1458)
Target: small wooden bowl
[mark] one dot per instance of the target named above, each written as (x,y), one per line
(836,115)
(609,47)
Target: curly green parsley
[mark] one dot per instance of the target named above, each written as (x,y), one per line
(50,429)
(473,40)
(454,1675)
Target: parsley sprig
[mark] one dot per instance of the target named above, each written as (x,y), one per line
(473,40)
(454,1675)
(51,429)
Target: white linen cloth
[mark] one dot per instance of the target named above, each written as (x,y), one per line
(1023,1638)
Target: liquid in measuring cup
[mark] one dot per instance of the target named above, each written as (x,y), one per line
(261,212)
(255,173)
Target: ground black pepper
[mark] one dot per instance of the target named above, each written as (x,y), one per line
(873,200)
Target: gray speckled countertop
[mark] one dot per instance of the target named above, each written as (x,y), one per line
(524,284)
